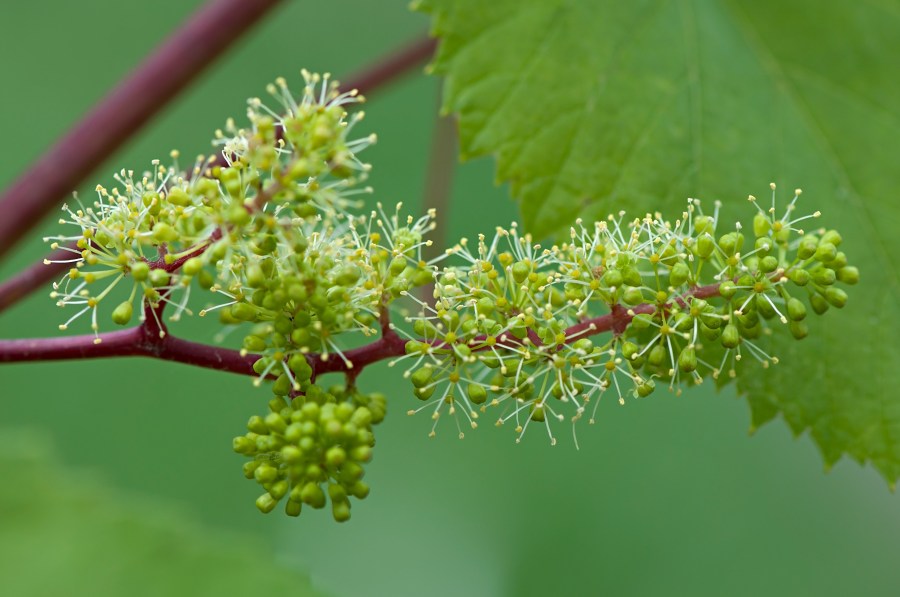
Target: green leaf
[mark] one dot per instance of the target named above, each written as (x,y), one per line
(593,107)
(66,533)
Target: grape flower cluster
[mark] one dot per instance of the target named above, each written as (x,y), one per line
(274,230)
(513,326)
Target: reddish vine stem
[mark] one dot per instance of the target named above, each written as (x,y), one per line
(145,340)
(142,340)
(54,184)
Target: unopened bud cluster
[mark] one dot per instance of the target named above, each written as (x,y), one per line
(312,450)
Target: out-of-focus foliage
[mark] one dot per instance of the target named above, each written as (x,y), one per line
(65,532)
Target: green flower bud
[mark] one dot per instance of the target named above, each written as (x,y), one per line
(731,243)
(679,274)
(414,346)
(477,394)
(839,261)
(293,508)
(824,276)
(256,424)
(424,393)
(784,235)
(763,246)
(657,355)
(238,215)
(807,247)
(158,277)
(799,329)
(485,306)
(256,278)
(254,343)
(761,224)
(818,303)
(731,336)
(422,377)
(335,456)
(279,489)
(687,360)
(282,385)
(177,196)
(800,277)
(164,233)
(768,264)
(520,271)
(291,454)
(312,494)
(265,473)
(825,252)
(266,503)
(848,275)
(631,276)
(244,445)
(711,320)
(833,237)
(632,296)
(641,321)
(727,289)
(764,307)
(704,225)
(836,296)
(705,246)
(398,264)
(243,312)
(796,310)
(612,278)
(192,266)
(359,490)
(682,322)
(140,270)
(630,350)
(121,315)
(340,510)
(646,388)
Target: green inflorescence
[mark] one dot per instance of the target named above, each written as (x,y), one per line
(313,449)
(273,231)
(512,327)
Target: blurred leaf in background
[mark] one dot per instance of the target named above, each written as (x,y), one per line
(666,496)
(65,532)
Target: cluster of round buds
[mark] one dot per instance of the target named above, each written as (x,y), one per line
(312,450)
(335,281)
(513,327)
(287,179)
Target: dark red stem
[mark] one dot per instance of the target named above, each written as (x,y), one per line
(146,340)
(137,341)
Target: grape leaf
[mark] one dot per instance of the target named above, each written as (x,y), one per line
(593,107)
(65,533)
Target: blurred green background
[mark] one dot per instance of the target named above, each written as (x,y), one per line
(665,496)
